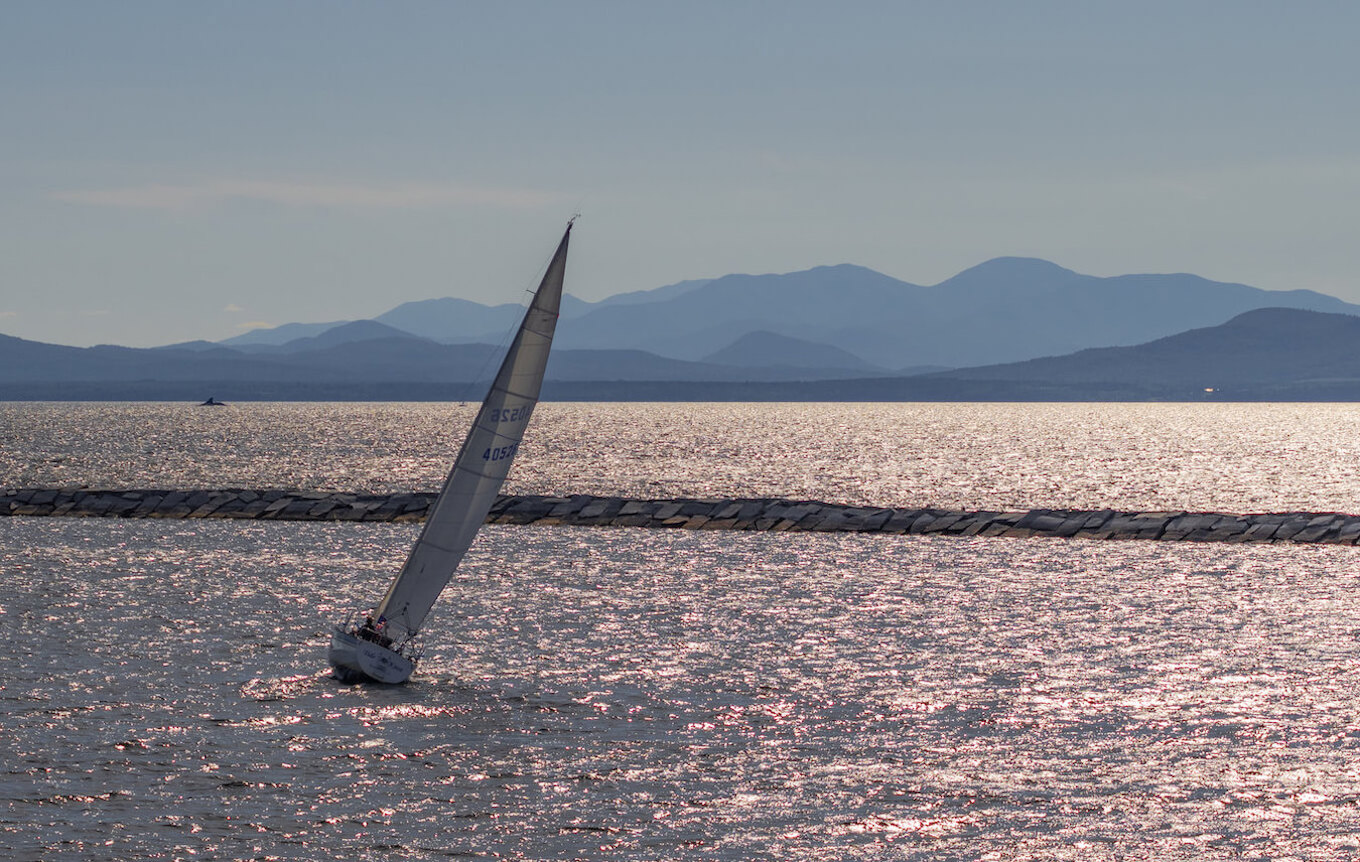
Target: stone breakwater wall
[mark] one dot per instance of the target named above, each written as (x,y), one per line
(705,514)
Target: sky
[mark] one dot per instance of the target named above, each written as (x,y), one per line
(173,171)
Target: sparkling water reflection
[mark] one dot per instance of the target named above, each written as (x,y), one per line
(617,693)
(1198,457)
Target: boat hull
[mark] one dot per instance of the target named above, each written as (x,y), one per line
(357,660)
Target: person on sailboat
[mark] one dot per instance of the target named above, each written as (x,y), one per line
(368,631)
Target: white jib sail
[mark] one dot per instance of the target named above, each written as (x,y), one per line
(482,463)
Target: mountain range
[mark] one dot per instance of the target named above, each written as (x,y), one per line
(1009,328)
(1005,310)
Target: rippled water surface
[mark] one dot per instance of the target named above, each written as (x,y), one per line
(615,693)
(627,693)
(1202,457)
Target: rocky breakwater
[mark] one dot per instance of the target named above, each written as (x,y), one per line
(692,514)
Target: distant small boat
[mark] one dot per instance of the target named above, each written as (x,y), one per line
(213,402)
(386,649)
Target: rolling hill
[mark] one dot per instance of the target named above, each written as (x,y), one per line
(1004,310)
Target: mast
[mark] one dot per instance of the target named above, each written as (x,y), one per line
(482,463)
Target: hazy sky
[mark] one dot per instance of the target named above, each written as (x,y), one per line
(180,170)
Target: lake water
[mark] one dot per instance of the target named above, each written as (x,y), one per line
(1202,457)
(623,693)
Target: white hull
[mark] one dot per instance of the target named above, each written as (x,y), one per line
(357,660)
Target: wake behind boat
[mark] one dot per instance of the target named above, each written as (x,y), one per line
(387,650)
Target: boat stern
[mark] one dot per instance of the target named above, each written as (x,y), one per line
(357,660)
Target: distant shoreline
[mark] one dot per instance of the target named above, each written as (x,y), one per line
(887,390)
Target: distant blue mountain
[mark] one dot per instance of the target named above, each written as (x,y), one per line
(342,334)
(763,349)
(1265,346)
(656,294)
(455,321)
(280,334)
(993,322)
(1004,310)
(1263,354)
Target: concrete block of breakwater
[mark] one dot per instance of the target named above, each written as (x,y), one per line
(1348,533)
(1042,521)
(873,520)
(1186,523)
(974,525)
(527,510)
(601,511)
(1073,523)
(609,513)
(726,509)
(169,502)
(570,506)
(1316,528)
(1224,528)
(860,519)
(353,510)
(703,507)
(795,514)
(999,524)
(271,509)
(1131,525)
(899,521)
(210,506)
(1262,529)
(294,510)
(254,508)
(926,520)
(1094,524)
(752,509)
(97,504)
(1151,525)
(1290,525)
(150,501)
(667,511)
(122,506)
(233,507)
(829,519)
(197,498)
(1063,522)
(941,523)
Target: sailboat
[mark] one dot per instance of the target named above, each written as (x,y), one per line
(386,649)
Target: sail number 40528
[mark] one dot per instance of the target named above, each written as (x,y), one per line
(500,453)
(510,414)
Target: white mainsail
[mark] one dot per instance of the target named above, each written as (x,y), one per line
(482,463)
